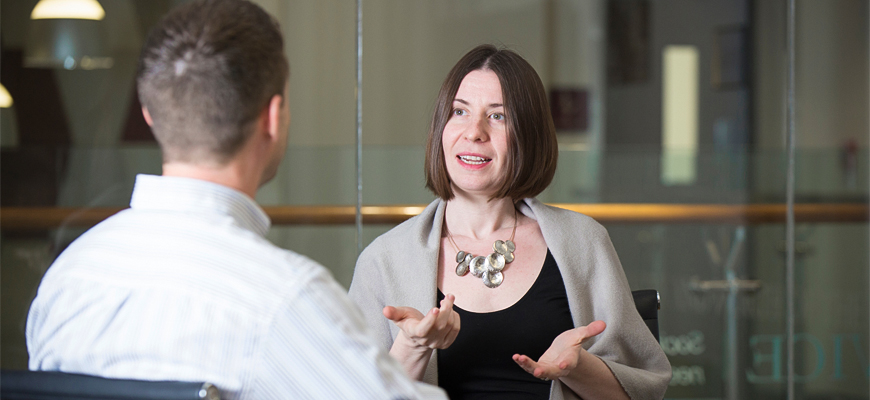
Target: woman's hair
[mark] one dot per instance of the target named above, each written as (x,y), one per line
(532,146)
(206,72)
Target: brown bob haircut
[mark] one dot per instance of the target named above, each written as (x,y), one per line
(532,147)
(206,72)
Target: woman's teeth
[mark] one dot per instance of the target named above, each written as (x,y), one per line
(474,160)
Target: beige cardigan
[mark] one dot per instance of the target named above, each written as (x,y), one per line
(399,268)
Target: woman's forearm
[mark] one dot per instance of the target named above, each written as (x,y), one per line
(413,358)
(593,380)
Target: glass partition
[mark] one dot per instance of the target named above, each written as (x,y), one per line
(645,136)
(666,103)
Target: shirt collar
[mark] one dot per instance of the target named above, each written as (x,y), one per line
(170,193)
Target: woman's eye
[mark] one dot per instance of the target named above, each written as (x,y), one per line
(457,111)
(497,116)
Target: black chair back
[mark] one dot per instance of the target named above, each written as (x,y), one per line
(648,305)
(50,385)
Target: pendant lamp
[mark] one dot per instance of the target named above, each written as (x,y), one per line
(5,98)
(66,34)
(68,9)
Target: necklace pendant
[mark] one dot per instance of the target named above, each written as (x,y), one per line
(509,258)
(495,262)
(500,247)
(462,268)
(504,247)
(492,279)
(477,266)
(464,259)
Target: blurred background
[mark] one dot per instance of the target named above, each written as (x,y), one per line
(673,131)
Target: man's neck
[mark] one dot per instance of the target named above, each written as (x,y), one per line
(232,175)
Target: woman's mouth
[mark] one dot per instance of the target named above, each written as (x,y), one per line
(474,160)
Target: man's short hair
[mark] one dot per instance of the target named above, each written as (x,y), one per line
(532,146)
(206,71)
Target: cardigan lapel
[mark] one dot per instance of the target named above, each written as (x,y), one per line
(421,256)
(566,249)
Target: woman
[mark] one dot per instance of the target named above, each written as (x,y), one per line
(536,304)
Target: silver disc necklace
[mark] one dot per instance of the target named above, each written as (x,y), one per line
(490,267)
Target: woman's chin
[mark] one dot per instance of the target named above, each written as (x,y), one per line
(474,191)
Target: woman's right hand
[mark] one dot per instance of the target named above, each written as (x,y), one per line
(420,334)
(436,330)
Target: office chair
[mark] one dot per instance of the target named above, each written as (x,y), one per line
(648,304)
(51,385)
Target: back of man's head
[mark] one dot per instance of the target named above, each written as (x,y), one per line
(206,72)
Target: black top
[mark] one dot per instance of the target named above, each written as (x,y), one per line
(479,364)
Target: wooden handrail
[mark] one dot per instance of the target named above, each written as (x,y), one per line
(42,218)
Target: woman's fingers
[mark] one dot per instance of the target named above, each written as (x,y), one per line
(400,314)
(452,321)
(408,319)
(437,329)
(447,334)
(593,329)
(457,325)
(447,303)
(422,329)
(393,314)
(563,354)
(529,365)
(451,336)
(446,314)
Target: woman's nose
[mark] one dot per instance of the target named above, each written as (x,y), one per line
(477,131)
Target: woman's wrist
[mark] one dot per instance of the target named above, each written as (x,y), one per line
(413,357)
(592,378)
(584,363)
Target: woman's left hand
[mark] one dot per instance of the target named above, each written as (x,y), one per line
(563,355)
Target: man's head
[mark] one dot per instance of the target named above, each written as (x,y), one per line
(206,73)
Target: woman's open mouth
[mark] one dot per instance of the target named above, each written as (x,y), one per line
(474,160)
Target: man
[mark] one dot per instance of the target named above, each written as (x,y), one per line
(183,285)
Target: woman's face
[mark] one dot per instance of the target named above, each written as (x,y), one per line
(475,137)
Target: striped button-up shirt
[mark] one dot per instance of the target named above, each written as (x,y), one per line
(184,286)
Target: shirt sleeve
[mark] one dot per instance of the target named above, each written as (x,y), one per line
(318,346)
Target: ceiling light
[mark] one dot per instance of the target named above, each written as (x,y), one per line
(68,9)
(5,97)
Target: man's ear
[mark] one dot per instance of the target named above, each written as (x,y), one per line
(273,116)
(147,116)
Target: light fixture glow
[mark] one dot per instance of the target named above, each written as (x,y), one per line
(5,97)
(68,9)
(679,115)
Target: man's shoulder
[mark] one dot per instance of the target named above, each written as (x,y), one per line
(156,249)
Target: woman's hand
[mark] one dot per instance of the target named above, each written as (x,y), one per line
(436,330)
(563,355)
(421,334)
